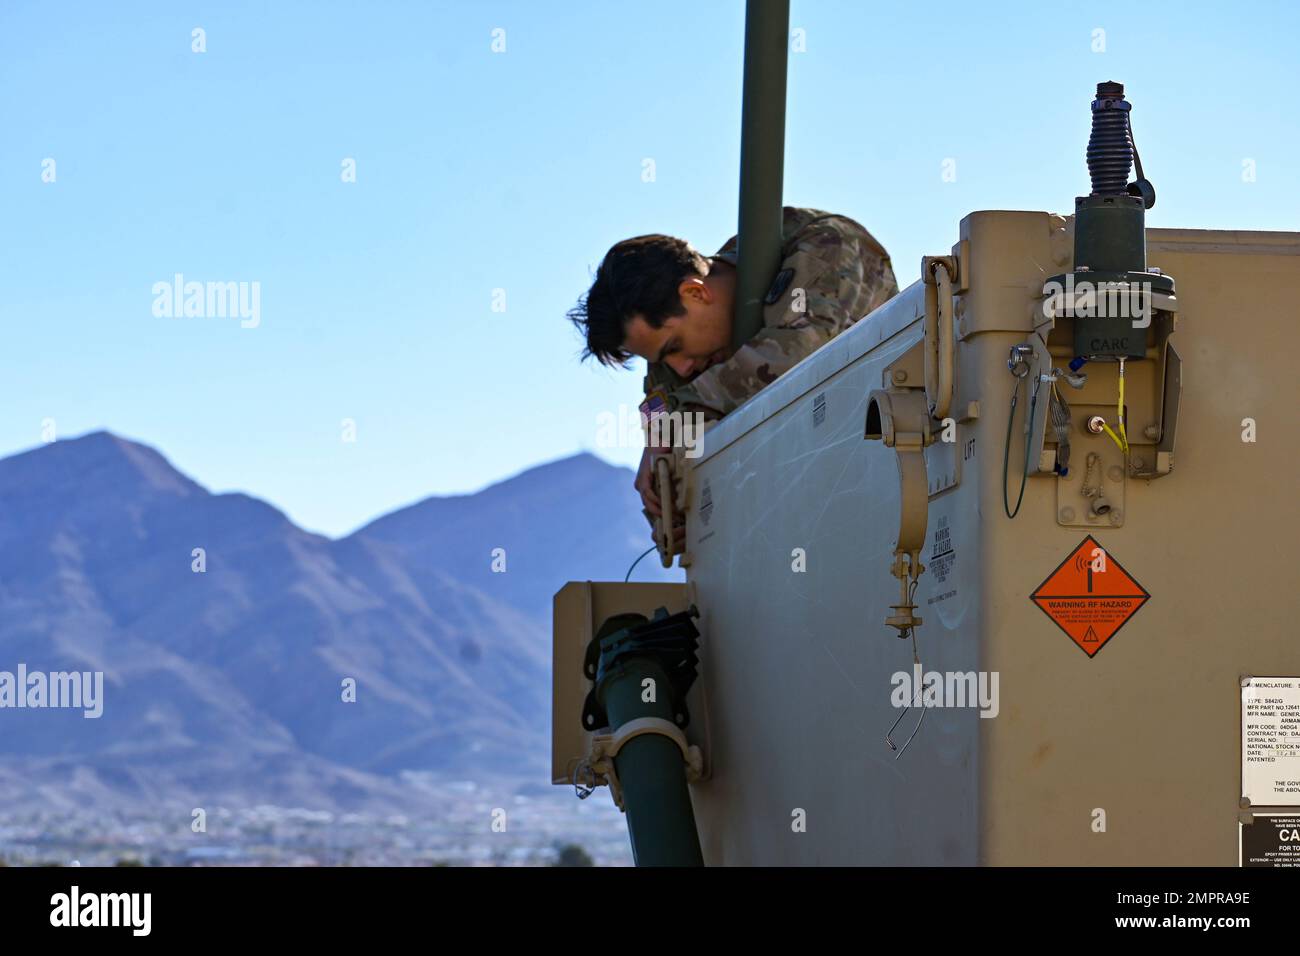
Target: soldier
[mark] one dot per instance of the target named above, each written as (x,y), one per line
(656,297)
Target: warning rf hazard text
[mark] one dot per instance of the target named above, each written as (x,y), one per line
(1090,596)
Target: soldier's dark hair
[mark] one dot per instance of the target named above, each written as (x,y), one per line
(638,276)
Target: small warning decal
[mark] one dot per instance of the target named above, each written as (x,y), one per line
(1090,596)
(944,554)
(1270,839)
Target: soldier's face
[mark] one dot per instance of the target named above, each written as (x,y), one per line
(690,343)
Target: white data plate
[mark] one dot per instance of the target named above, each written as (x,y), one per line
(1270,741)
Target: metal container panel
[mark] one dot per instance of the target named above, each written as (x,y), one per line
(799,663)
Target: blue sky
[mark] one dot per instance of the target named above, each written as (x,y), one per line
(479,170)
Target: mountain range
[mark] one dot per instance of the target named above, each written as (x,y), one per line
(226,669)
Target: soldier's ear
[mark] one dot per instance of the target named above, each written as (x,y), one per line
(695,289)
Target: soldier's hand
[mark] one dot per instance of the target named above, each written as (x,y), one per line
(645,483)
(679,535)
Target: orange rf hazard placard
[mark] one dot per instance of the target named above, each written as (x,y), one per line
(1090,596)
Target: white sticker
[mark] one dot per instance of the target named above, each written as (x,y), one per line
(1270,741)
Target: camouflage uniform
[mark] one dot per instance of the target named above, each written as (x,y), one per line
(832,273)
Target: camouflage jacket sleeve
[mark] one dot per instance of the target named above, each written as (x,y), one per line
(833,272)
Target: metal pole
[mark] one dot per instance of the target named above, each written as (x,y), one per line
(762,161)
(660,818)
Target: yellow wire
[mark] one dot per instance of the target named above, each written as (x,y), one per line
(1113,437)
(1122,441)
